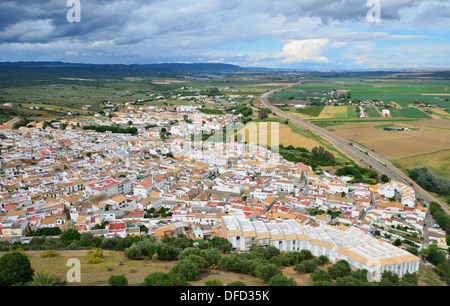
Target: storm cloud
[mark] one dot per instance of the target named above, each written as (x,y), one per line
(182,30)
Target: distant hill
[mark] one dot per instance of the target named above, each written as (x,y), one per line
(30,73)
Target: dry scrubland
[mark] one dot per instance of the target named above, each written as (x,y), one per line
(114,263)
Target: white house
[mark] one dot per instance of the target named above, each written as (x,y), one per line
(144,188)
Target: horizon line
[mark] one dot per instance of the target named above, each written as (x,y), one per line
(231,64)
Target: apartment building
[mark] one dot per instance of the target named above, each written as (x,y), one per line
(361,250)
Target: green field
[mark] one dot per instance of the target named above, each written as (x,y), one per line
(313,111)
(293,94)
(372,112)
(352,112)
(408,113)
(401,91)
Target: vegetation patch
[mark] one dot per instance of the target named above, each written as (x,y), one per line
(359,174)
(430,182)
(313,111)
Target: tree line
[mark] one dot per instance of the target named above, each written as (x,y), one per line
(318,156)
(430,182)
(115,129)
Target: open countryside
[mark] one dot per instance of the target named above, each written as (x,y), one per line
(149,116)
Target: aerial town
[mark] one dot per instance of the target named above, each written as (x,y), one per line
(75,178)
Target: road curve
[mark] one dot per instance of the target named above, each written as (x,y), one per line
(360,155)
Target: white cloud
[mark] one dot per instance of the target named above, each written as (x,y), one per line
(28,30)
(304,51)
(339,44)
(361,59)
(364,36)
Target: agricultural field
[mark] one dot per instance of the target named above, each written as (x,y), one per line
(335,112)
(287,135)
(425,144)
(352,112)
(402,99)
(439,113)
(300,95)
(262,134)
(372,112)
(437,162)
(325,112)
(400,91)
(408,113)
(313,111)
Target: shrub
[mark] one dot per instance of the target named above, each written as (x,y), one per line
(118,280)
(187,268)
(15,268)
(213,282)
(388,278)
(435,256)
(324,259)
(349,281)
(69,236)
(266,271)
(307,254)
(300,268)
(409,280)
(281,280)
(95,256)
(48,253)
(339,269)
(293,258)
(320,275)
(236,284)
(310,265)
(321,283)
(43,279)
(133,252)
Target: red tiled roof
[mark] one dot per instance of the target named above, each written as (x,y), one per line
(117,226)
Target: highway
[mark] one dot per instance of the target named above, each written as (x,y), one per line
(360,155)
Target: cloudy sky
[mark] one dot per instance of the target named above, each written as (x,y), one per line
(304,34)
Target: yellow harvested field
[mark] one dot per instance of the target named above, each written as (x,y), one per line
(433,123)
(400,144)
(268,133)
(395,103)
(333,112)
(439,111)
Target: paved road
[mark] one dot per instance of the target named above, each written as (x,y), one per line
(360,155)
